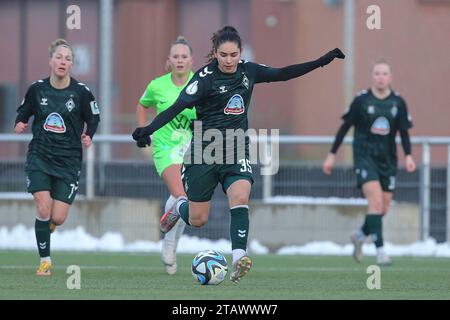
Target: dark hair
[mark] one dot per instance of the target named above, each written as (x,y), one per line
(226,34)
(182,40)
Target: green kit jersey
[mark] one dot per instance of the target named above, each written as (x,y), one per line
(161,93)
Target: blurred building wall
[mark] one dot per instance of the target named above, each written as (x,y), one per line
(413,38)
(143,32)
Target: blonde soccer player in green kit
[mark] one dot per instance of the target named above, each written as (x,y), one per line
(171,142)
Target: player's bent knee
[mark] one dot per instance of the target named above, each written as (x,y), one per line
(200,222)
(240,200)
(43,210)
(376,206)
(58,220)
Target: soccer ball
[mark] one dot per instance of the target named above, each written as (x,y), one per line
(209,267)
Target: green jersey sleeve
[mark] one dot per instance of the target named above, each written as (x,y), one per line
(148,98)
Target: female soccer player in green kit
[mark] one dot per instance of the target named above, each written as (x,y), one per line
(61,107)
(172,140)
(377,114)
(221,92)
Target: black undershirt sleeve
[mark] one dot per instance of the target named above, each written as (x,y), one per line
(25,111)
(268,74)
(165,116)
(340,136)
(91,126)
(406,141)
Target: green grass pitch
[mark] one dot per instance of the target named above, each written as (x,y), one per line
(273,277)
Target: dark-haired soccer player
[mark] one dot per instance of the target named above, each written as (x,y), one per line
(221,92)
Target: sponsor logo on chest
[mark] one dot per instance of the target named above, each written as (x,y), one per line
(235,105)
(381,126)
(54,123)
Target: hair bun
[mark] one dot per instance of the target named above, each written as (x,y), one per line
(229,29)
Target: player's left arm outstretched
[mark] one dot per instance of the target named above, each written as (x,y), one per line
(268,74)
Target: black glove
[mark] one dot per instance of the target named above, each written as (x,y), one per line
(144,142)
(141,136)
(330,56)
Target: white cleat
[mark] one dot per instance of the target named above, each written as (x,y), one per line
(171,269)
(383,260)
(168,256)
(169,247)
(357,247)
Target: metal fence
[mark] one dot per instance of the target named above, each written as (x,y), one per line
(131,176)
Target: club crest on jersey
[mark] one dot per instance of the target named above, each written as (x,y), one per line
(370,109)
(54,123)
(70,104)
(192,88)
(394,110)
(235,105)
(381,126)
(245,81)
